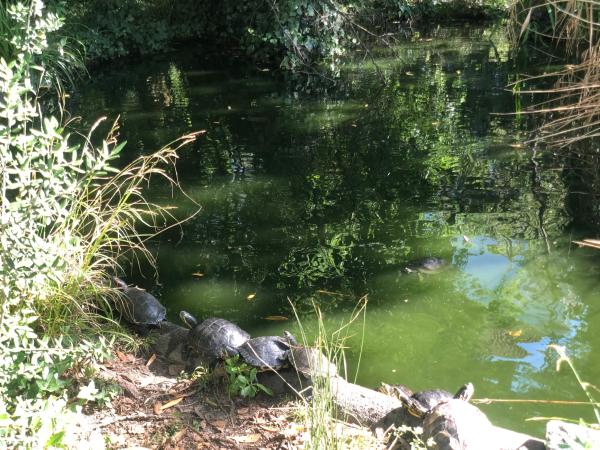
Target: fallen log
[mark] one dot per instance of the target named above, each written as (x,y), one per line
(452,425)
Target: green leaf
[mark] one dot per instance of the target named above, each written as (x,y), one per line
(55,440)
(248,391)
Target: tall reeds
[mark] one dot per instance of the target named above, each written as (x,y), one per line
(566,30)
(317,410)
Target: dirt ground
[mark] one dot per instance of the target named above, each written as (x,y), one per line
(158,410)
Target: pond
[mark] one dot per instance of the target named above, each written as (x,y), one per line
(321,199)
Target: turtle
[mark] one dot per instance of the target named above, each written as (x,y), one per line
(213,338)
(419,404)
(138,307)
(455,424)
(311,362)
(429,265)
(267,352)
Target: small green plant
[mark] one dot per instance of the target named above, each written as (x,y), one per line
(412,437)
(242,379)
(98,392)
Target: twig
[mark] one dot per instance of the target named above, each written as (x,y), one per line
(139,416)
(487,401)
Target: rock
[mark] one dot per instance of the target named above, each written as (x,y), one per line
(562,435)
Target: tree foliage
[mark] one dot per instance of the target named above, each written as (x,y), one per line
(298,35)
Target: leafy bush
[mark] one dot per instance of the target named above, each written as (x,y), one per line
(63,223)
(302,36)
(135,27)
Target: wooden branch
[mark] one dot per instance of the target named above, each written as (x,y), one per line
(592,243)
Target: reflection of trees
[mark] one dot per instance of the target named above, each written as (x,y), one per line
(357,181)
(341,190)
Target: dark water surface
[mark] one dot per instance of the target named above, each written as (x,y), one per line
(407,159)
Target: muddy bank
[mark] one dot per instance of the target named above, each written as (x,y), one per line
(157,409)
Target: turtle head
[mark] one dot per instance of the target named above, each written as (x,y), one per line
(189,320)
(290,338)
(386,389)
(414,407)
(396,390)
(120,283)
(465,392)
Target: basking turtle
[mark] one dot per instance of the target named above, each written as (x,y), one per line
(311,362)
(393,390)
(427,265)
(458,425)
(267,352)
(213,338)
(420,403)
(139,307)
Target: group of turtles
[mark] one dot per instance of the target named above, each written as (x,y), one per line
(212,339)
(215,339)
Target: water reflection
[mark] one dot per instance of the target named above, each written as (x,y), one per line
(340,190)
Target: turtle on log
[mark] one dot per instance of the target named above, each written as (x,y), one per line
(267,352)
(419,404)
(213,338)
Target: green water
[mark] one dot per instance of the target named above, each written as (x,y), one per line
(408,158)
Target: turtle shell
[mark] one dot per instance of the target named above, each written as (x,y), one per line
(270,352)
(430,399)
(311,362)
(458,424)
(427,265)
(138,306)
(395,390)
(216,338)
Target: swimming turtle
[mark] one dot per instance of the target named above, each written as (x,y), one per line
(139,307)
(431,264)
(420,403)
(213,338)
(267,352)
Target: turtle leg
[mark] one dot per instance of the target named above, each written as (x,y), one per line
(142,330)
(230,352)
